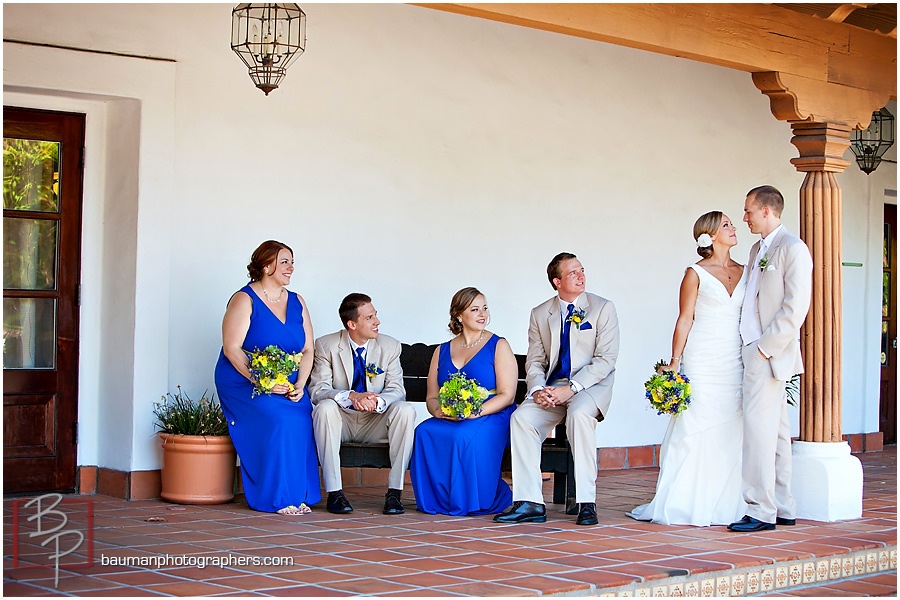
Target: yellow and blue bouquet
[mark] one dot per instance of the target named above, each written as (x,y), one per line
(669,392)
(461,397)
(270,367)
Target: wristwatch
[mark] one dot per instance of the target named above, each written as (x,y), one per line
(573,387)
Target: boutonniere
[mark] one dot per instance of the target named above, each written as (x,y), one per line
(577,317)
(763,262)
(373,371)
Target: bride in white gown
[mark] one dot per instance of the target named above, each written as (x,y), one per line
(700,459)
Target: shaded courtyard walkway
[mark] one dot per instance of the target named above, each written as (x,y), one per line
(414,554)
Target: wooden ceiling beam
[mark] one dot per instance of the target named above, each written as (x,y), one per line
(842,11)
(748,37)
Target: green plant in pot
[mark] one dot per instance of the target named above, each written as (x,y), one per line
(198,456)
(178,414)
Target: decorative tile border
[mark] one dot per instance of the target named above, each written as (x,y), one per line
(763,580)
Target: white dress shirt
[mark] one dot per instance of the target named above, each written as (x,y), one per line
(751,330)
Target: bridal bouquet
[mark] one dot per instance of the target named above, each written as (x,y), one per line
(668,392)
(461,397)
(270,367)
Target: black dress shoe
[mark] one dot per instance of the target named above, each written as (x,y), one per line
(338,504)
(749,525)
(392,504)
(523,512)
(785,522)
(587,514)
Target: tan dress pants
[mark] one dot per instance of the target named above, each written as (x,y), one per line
(333,425)
(529,427)
(766,466)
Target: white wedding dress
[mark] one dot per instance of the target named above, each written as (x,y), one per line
(700,458)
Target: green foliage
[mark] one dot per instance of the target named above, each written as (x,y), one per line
(792,389)
(178,414)
(30,172)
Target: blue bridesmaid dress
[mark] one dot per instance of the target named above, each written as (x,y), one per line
(455,465)
(272,435)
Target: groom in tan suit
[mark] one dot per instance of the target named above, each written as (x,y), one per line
(573,342)
(779,286)
(357,388)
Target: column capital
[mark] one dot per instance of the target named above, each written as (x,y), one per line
(821,146)
(797,98)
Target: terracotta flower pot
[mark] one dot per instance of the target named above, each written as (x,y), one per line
(197,469)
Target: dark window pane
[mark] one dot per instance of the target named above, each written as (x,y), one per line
(29,333)
(29,254)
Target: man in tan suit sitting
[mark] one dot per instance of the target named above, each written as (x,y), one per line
(357,390)
(776,300)
(573,342)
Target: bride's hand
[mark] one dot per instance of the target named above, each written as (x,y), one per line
(671,366)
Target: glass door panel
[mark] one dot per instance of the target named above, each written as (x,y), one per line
(30,175)
(29,333)
(30,252)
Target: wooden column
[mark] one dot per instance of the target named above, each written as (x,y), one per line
(821,115)
(821,146)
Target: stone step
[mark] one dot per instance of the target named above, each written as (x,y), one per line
(836,572)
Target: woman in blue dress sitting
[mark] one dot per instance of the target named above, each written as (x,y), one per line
(455,465)
(272,432)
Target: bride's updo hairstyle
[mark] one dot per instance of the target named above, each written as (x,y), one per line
(708,224)
(264,256)
(462,300)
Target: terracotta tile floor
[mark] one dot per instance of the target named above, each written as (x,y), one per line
(415,554)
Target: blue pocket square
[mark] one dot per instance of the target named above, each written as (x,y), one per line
(584,326)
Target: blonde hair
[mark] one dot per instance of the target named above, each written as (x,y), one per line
(709,224)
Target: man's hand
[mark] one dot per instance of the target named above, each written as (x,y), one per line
(364,401)
(550,396)
(560,395)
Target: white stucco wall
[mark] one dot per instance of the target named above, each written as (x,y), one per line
(408,153)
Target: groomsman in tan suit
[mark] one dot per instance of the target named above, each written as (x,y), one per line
(573,342)
(779,286)
(357,390)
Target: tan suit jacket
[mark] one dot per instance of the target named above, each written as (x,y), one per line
(593,351)
(333,367)
(782,301)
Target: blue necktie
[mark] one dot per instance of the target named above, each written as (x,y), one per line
(359,371)
(564,367)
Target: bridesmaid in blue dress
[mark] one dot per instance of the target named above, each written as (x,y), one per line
(455,465)
(272,433)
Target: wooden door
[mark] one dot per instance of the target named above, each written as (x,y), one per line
(42,173)
(888,409)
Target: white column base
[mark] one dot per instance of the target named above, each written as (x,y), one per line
(827,481)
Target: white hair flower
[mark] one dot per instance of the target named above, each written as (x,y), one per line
(704,241)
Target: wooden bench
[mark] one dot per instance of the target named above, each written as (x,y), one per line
(556,457)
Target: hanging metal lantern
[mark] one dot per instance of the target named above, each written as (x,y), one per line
(268,38)
(870,144)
